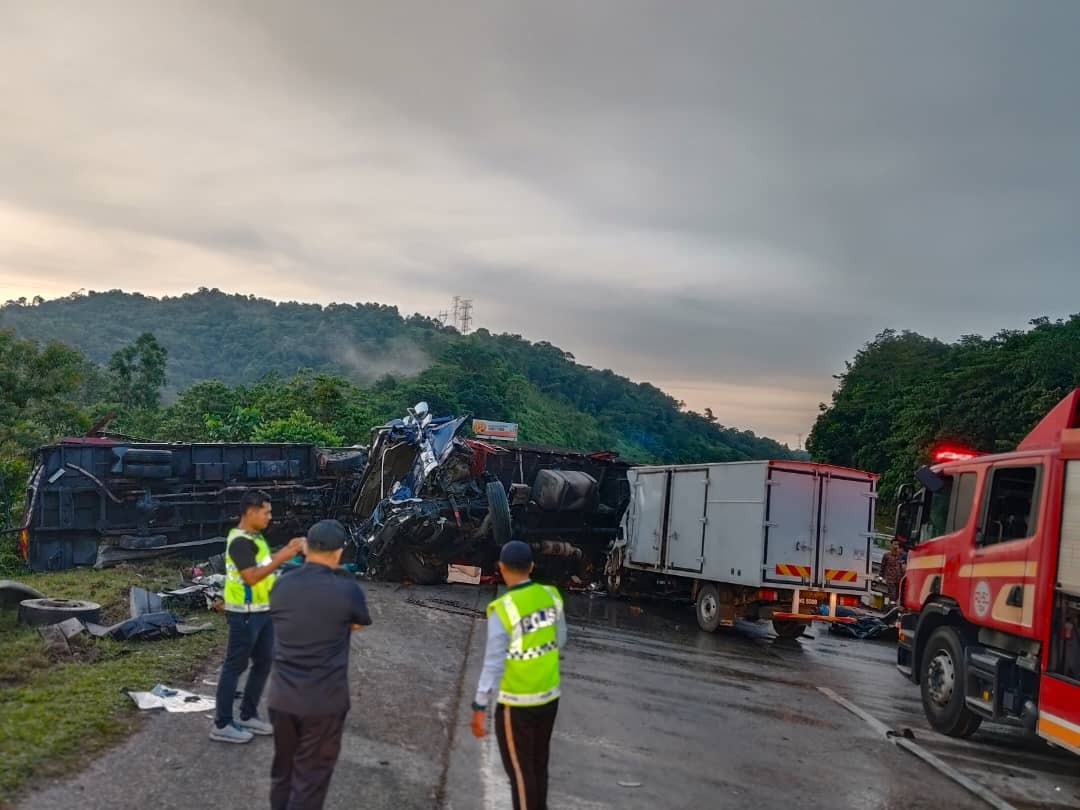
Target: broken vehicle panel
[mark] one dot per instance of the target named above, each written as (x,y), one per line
(97,501)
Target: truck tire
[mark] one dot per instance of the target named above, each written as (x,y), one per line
(41,612)
(422,572)
(789,629)
(942,683)
(708,607)
(499,510)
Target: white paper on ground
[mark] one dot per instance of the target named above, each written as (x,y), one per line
(171,700)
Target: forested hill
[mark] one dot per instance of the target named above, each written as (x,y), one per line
(340,369)
(903,393)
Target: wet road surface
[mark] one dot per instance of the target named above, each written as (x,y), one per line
(683,719)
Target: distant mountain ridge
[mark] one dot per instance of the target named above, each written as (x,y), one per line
(240,339)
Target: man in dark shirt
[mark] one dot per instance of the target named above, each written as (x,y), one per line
(313,608)
(892,570)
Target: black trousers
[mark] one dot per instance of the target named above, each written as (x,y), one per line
(305,752)
(524,734)
(251,639)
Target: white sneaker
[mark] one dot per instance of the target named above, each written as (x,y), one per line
(255,726)
(231,734)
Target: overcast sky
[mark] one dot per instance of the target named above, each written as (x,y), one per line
(725,198)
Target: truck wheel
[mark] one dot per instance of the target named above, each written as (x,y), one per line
(499,510)
(789,629)
(942,683)
(41,612)
(421,571)
(708,607)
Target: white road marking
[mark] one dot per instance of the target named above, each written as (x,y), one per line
(496,785)
(940,765)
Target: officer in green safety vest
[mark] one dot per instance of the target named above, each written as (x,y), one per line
(249,576)
(526,629)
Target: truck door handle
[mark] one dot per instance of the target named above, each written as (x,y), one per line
(837,550)
(801,546)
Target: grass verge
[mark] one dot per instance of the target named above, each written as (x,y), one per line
(57,713)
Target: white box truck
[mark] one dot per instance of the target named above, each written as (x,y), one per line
(763,540)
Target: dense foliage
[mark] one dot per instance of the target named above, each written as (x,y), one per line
(247,369)
(904,393)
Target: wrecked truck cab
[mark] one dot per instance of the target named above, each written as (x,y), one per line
(426,501)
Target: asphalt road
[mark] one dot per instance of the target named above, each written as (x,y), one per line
(655,714)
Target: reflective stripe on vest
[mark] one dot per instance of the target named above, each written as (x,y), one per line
(239,596)
(529,615)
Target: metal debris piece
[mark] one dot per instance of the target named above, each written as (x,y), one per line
(143,601)
(12,593)
(71,628)
(55,640)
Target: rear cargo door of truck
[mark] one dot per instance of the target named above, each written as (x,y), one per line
(847,521)
(645,516)
(687,504)
(791,522)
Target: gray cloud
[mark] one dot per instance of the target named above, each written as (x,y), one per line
(725,198)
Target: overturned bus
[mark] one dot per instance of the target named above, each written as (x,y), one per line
(421,497)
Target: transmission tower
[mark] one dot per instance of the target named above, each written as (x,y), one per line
(464,314)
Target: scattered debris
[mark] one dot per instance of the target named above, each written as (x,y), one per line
(171,700)
(56,643)
(866,625)
(147,627)
(464,574)
(13,593)
(70,628)
(44,611)
(143,602)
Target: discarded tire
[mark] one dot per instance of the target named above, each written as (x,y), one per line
(40,612)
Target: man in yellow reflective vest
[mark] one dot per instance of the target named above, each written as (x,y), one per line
(249,576)
(526,629)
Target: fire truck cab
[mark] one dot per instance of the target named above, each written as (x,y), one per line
(991,594)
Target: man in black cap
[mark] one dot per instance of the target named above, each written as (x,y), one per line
(313,608)
(526,629)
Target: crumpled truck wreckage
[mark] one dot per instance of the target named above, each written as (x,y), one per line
(421,497)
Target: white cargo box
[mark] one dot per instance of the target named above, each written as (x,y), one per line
(755,523)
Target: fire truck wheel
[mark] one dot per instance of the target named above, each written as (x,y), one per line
(708,607)
(942,683)
(789,629)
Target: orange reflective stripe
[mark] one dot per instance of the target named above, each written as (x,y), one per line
(789,570)
(841,575)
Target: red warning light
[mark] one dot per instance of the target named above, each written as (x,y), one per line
(949,452)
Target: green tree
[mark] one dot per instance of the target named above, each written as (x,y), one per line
(137,373)
(297,427)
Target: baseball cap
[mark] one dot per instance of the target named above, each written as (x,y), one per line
(517,555)
(326,535)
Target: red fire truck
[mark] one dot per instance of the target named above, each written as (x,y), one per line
(992,589)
